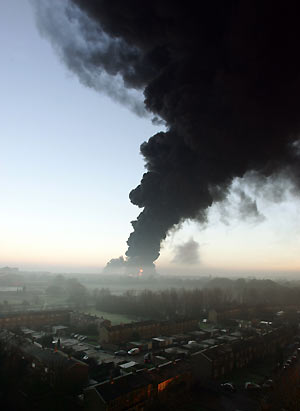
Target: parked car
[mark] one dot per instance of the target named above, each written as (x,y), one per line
(228,386)
(287,364)
(120,352)
(251,386)
(134,351)
(268,384)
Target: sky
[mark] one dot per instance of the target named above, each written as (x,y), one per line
(69,158)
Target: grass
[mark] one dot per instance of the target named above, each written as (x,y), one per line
(13,297)
(114,318)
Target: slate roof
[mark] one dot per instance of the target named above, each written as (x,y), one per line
(120,386)
(49,357)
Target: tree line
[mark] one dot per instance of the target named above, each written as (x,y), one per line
(219,294)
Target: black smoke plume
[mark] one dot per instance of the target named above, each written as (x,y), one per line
(225,78)
(115,266)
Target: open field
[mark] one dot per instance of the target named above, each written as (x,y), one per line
(16,297)
(114,318)
(31,297)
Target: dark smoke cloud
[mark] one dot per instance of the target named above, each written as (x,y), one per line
(100,61)
(123,266)
(187,253)
(223,75)
(274,188)
(241,203)
(115,266)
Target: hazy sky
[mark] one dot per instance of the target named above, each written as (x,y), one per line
(69,158)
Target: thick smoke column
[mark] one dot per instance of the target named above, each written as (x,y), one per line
(223,75)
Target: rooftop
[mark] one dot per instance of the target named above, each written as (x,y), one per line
(128,365)
(50,357)
(110,390)
(46,356)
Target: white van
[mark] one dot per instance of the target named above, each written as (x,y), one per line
(134,351)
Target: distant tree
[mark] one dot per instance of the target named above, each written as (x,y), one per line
(77,293)
(55,290)
(25,303)
(6,306)
(36,300)
(104,292)
(59,280)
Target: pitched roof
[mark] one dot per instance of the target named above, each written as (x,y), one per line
(120,386)
(50,357)
(110,390)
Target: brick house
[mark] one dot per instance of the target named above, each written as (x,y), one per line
(82,320)
(221,359)
(145,329)
(33,318)
(56,367)
(131,391)
(135,391)
(51,365)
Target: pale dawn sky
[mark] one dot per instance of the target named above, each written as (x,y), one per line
(69,158)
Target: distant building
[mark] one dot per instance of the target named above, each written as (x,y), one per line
(33,318)
(9,270)
(145,329)
(82,320)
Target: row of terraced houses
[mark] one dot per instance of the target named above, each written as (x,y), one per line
(138,390)
(118,334)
